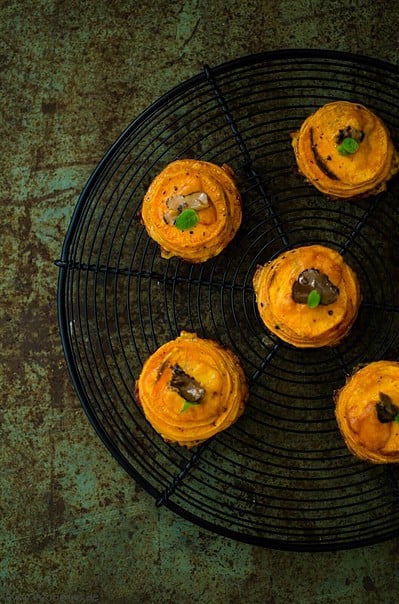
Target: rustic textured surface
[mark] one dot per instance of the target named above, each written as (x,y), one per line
(74,527)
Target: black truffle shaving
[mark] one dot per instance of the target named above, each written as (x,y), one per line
(349,132)
(386,409)
(312,279)
(319,160)
(188,388)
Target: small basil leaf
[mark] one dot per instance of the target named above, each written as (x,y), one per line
(314,298)
(348,146)
(187,219)
(187,405)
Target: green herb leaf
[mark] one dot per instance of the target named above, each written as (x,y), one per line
(314,298)
(187,405)
(397,418)
(348,146)
(187,219)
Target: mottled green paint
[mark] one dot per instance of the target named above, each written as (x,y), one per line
(73,526)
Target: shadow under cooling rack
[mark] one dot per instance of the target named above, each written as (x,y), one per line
(281,476)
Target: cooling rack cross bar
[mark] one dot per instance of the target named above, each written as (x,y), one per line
(248,163)
(154,276)
(163,498)
(371,208)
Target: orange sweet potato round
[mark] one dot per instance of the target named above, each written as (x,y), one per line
(366,408)
(191,388)
(293,320)
(207,191)
(323,158)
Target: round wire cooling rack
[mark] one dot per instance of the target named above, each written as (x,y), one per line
(280,477)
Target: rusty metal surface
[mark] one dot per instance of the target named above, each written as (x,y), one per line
(73,526)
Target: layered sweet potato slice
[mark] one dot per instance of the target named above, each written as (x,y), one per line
(192,209)
(367,412)
(345,151)
(192,388)
(308,296)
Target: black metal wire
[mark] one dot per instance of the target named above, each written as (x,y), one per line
(281,476)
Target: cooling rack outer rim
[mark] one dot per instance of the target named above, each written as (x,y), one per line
(65,266)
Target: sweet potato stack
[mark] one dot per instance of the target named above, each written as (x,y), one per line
(367,412)
(191,388)
(345,151)
(192,209)
(284,288)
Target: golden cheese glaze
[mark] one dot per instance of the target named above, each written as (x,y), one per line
(216,368)
(218,223)
(355,409)
(356,175)
(296,323)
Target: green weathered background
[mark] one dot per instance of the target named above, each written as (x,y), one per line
(74,527)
